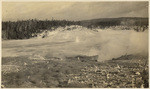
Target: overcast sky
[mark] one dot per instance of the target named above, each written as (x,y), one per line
(72,10)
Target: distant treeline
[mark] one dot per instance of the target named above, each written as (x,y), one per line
(24,29)
(107,22)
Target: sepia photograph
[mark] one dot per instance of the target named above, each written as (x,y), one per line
(75,44)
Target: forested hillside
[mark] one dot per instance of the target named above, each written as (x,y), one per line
(25,28)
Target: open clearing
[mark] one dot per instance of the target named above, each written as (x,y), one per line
(55,61)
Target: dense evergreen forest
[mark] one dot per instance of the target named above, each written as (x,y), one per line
(24,29)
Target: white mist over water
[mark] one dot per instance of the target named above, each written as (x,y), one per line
(107,44)
(114,44)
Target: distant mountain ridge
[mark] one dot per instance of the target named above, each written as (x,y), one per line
(119,18)
(140,21)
